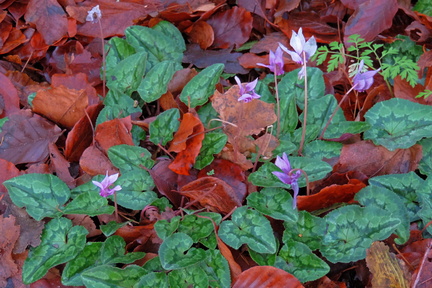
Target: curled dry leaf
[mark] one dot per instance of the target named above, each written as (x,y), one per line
(330,195)
(201,34)
(187,143)
(212,193)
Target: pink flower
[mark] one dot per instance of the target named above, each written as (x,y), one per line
(105,191)
(247,92)
(363,81)
(276,62)
(288,175)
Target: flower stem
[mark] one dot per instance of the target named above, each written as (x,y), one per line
(115,205)
(334,112)
(278,106)
(305,110)
(103,60)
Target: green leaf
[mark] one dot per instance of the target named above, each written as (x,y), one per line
(206,113)
(43,195)
(128,73)
(155,83)
(425,202)
(291,84)
(136,190)
(249,227)
(352,229)
(165,228)
(314,168)
(107,276)
(129,158)
(212,144)
(274,202)
(89,203)
(405,186)
(217,269)
(153,279)
(202,86)
(161,42)
(196,227)
(118,50)
(390,202)
(117,104)
(424,7)
(263,259)
(425,165)
(320,149)
(111,227)
(302,263)
(264,177)
(172,252)
(60,243)
(192,276)
(394,125)
(164,126)
(308,229)
(288,106)
(97,254)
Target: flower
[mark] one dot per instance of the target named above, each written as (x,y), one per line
(276,62)
(363,81)
(247,92)
(288,175)
(94,15)
(302,50)
(105,191)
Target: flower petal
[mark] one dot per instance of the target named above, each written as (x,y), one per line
(251,85)
(310,47)
(284,178)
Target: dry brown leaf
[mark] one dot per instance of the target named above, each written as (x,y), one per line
(387,270)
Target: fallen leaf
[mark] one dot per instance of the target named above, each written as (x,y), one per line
(201,34)
(187,143)
(76,81)
(8,171)
(330,195)
(165,180)
(204,58)
(235,269)
(231,27)
(43,13)
(94,162)
(60,166)
(386,269)
(212,193)
(373,160)
(8,238)
(81,135)
(370,18)
(25,137)
(229,172)
(9,100)
(266,276)
(61,105)
(114,132)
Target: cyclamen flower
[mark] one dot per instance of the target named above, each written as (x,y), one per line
(276,62)
(288,175)
(105,191)
(94,15)
(247,92)
(363,80)
(302,50)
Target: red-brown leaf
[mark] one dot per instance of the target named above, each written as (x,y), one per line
(43,13)
(26,137)
(212,193)
(114,132)
(9,100)
(187,143)
(231,27)
(266,276)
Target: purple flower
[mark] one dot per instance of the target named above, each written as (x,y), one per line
(288,175)
(105,191)
(94,15)
(363,81)
(300,46)
(301,49)
(247,92)
(276,62)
